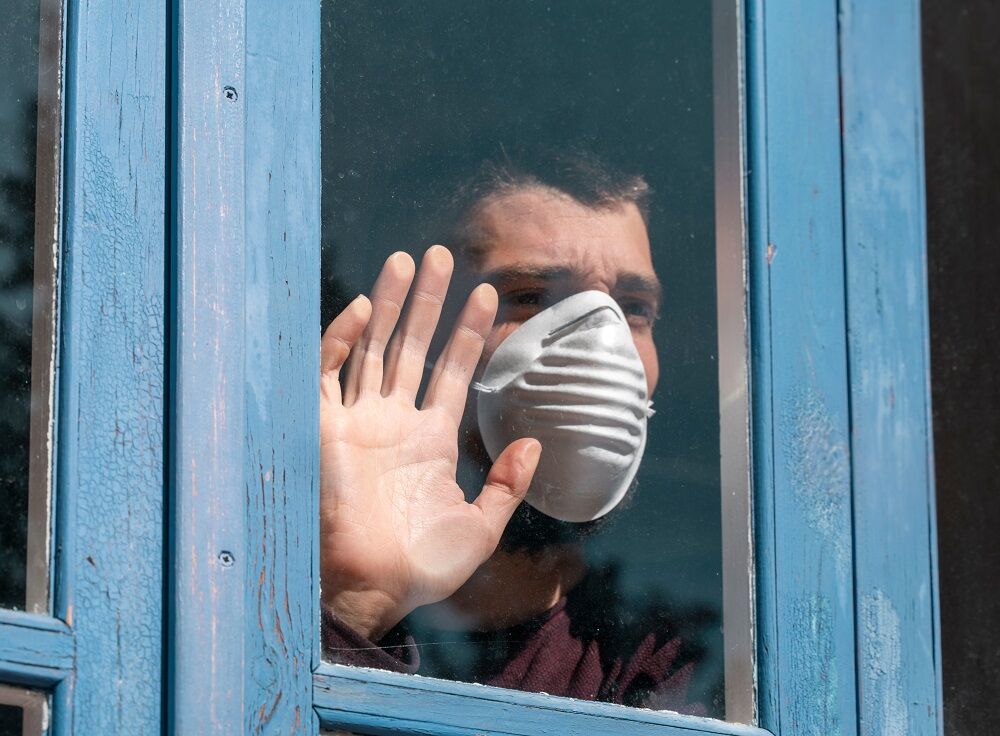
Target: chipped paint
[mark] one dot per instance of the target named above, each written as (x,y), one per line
(110,480)
(816,455)
(886,290)
(882,666)
(815,706)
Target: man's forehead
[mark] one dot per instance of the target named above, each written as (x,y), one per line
(541,229)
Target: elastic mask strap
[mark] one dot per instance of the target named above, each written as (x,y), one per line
(475,386)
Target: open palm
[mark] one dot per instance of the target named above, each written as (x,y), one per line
(396,530)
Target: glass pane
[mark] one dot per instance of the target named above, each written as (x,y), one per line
(28,124)
(19,55)
(22,712)
(567,155)
(11,718)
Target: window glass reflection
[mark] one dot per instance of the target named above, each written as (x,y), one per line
(562,154)
(23,712)
(18,116)
(11,718)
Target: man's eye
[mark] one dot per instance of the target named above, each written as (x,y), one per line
(638,313)
(526,298)
(522,304)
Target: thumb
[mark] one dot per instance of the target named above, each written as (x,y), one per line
(507,483)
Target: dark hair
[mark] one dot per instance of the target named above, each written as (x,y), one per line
(579,174)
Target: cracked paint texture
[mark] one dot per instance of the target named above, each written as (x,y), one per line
(112,367)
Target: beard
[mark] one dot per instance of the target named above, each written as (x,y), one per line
(529,530)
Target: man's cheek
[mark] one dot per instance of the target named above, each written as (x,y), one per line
(651,364)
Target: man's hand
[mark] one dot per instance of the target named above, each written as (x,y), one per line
(396,530)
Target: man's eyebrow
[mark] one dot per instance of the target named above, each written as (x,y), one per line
(637,283)
(520,272)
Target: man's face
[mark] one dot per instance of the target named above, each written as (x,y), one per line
(542,246)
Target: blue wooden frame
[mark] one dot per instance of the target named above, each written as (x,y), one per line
(101,652)
(846,569)
(800,386)
(186,465)
(244,599)
(898,642)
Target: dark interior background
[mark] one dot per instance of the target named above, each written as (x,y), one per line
(11,720)
(961,67)
(18,104)
(414,95)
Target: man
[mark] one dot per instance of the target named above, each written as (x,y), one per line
(398,533)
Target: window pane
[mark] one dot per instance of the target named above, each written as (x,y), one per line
(18,98)
(11,718)
(22,712)
(565,153)
(28,126)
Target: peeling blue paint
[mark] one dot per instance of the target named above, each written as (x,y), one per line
(818,463)
(893,506)
(110,470)
(815,659)
(882,665)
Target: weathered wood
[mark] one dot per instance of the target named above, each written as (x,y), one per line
(210,656)
(897,641)
(110,469)
(800,403)
(35,650)
(388,703)
(282,363)
(245,597)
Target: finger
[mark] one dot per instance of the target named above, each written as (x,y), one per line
(337,342)
(449,382)
(404,360)
(343,332)
(364,367)
(507,483)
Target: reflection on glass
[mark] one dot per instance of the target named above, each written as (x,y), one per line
(22,712)
(18,118)
(11,719)
(564,154)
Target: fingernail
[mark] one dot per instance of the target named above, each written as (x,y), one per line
(441,256)
(487,290)
(403,259)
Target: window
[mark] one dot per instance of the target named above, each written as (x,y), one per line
(33,652)
(185,464)
(22,712)
(557,150)
(29,154)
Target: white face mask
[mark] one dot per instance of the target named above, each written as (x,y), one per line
(571,378)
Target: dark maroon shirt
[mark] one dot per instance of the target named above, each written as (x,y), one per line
(576,649)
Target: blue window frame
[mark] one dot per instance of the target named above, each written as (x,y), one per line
(186,558)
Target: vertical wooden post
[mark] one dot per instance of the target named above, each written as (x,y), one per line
(282,362)
(245,459)
(109,467)
(894,538)
(208,613)
(801,412)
